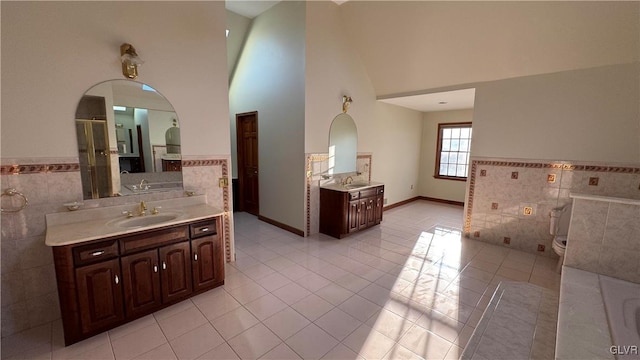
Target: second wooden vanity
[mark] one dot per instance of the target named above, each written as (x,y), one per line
(106,282)
(344,211)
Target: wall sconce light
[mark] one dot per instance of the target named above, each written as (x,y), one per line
(346,101)
(130,61)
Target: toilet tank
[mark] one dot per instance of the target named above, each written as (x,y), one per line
(560,218)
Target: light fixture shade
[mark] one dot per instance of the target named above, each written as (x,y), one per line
(130,61)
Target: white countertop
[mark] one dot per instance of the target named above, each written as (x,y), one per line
(606,198)
(340,187)
(84,225)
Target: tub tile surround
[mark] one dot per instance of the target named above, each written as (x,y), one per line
(583,329)
(29,293)
(508,200)
(604,236)
(317,169)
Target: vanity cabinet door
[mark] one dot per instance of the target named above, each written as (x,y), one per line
(207,262)
(99,290)
(354,216)
(141,281)
(378,208)
(175,271)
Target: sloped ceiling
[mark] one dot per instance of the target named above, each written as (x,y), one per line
(411,46)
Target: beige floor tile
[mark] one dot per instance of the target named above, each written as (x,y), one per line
(313,282)
(286,323)
(311,342)
(163,352)
(312,307)
(247,293)
(264,307)
(78,349)
(274,281)
(359,307)
(368,343)
(281,352)
(254,342)
(376,294)
(181,323)
(216,304)
(220,352)
(196,342)
(138,342)
(334,293)
(425,343)
(338,323)
(135,325)
(399,352)
(341,352)
(291,293)
(234,322)
(352,282)
(389,324)
(173,309)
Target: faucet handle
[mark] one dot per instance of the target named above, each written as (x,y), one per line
(128,213)
(156,210)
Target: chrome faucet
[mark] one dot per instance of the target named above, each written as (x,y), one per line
(347,181)
(141,183)
(143,208)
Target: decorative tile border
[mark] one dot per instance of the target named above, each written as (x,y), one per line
(225,197)
(38,168)
(538,165)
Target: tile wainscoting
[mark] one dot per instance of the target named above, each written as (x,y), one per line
(29,292)
(508,200)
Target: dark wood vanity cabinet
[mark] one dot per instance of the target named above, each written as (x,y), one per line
(345,212)
(108,282)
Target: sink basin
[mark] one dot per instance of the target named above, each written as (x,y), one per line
(140,221)
(355,186)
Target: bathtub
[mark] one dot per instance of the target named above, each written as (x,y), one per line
(622,305)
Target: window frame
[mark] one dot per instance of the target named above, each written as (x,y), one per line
(441,127)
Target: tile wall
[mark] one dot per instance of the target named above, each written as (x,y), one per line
(317,167)
(29,292)
(508,200)
(604,238)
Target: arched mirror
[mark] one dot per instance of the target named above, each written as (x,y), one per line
(343,145)
(128,140)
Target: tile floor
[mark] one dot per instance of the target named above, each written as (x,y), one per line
(410,288)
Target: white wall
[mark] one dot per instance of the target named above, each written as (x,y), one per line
(433,187)
(238,27)
(270,78)
(416,45)
(333,69)
(588,115)
(396,151)
(52,52)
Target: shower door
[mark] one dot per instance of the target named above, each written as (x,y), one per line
(95,159)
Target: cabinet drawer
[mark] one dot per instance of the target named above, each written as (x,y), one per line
(90,253)
(368,192)
(203,228)
(354,195)
(153,239)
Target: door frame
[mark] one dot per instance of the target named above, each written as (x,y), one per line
(240,157)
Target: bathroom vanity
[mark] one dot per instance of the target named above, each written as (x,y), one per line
(112,271)
(345,209)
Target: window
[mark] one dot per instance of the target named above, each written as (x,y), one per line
(452,156)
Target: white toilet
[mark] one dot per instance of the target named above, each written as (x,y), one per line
(559,228)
